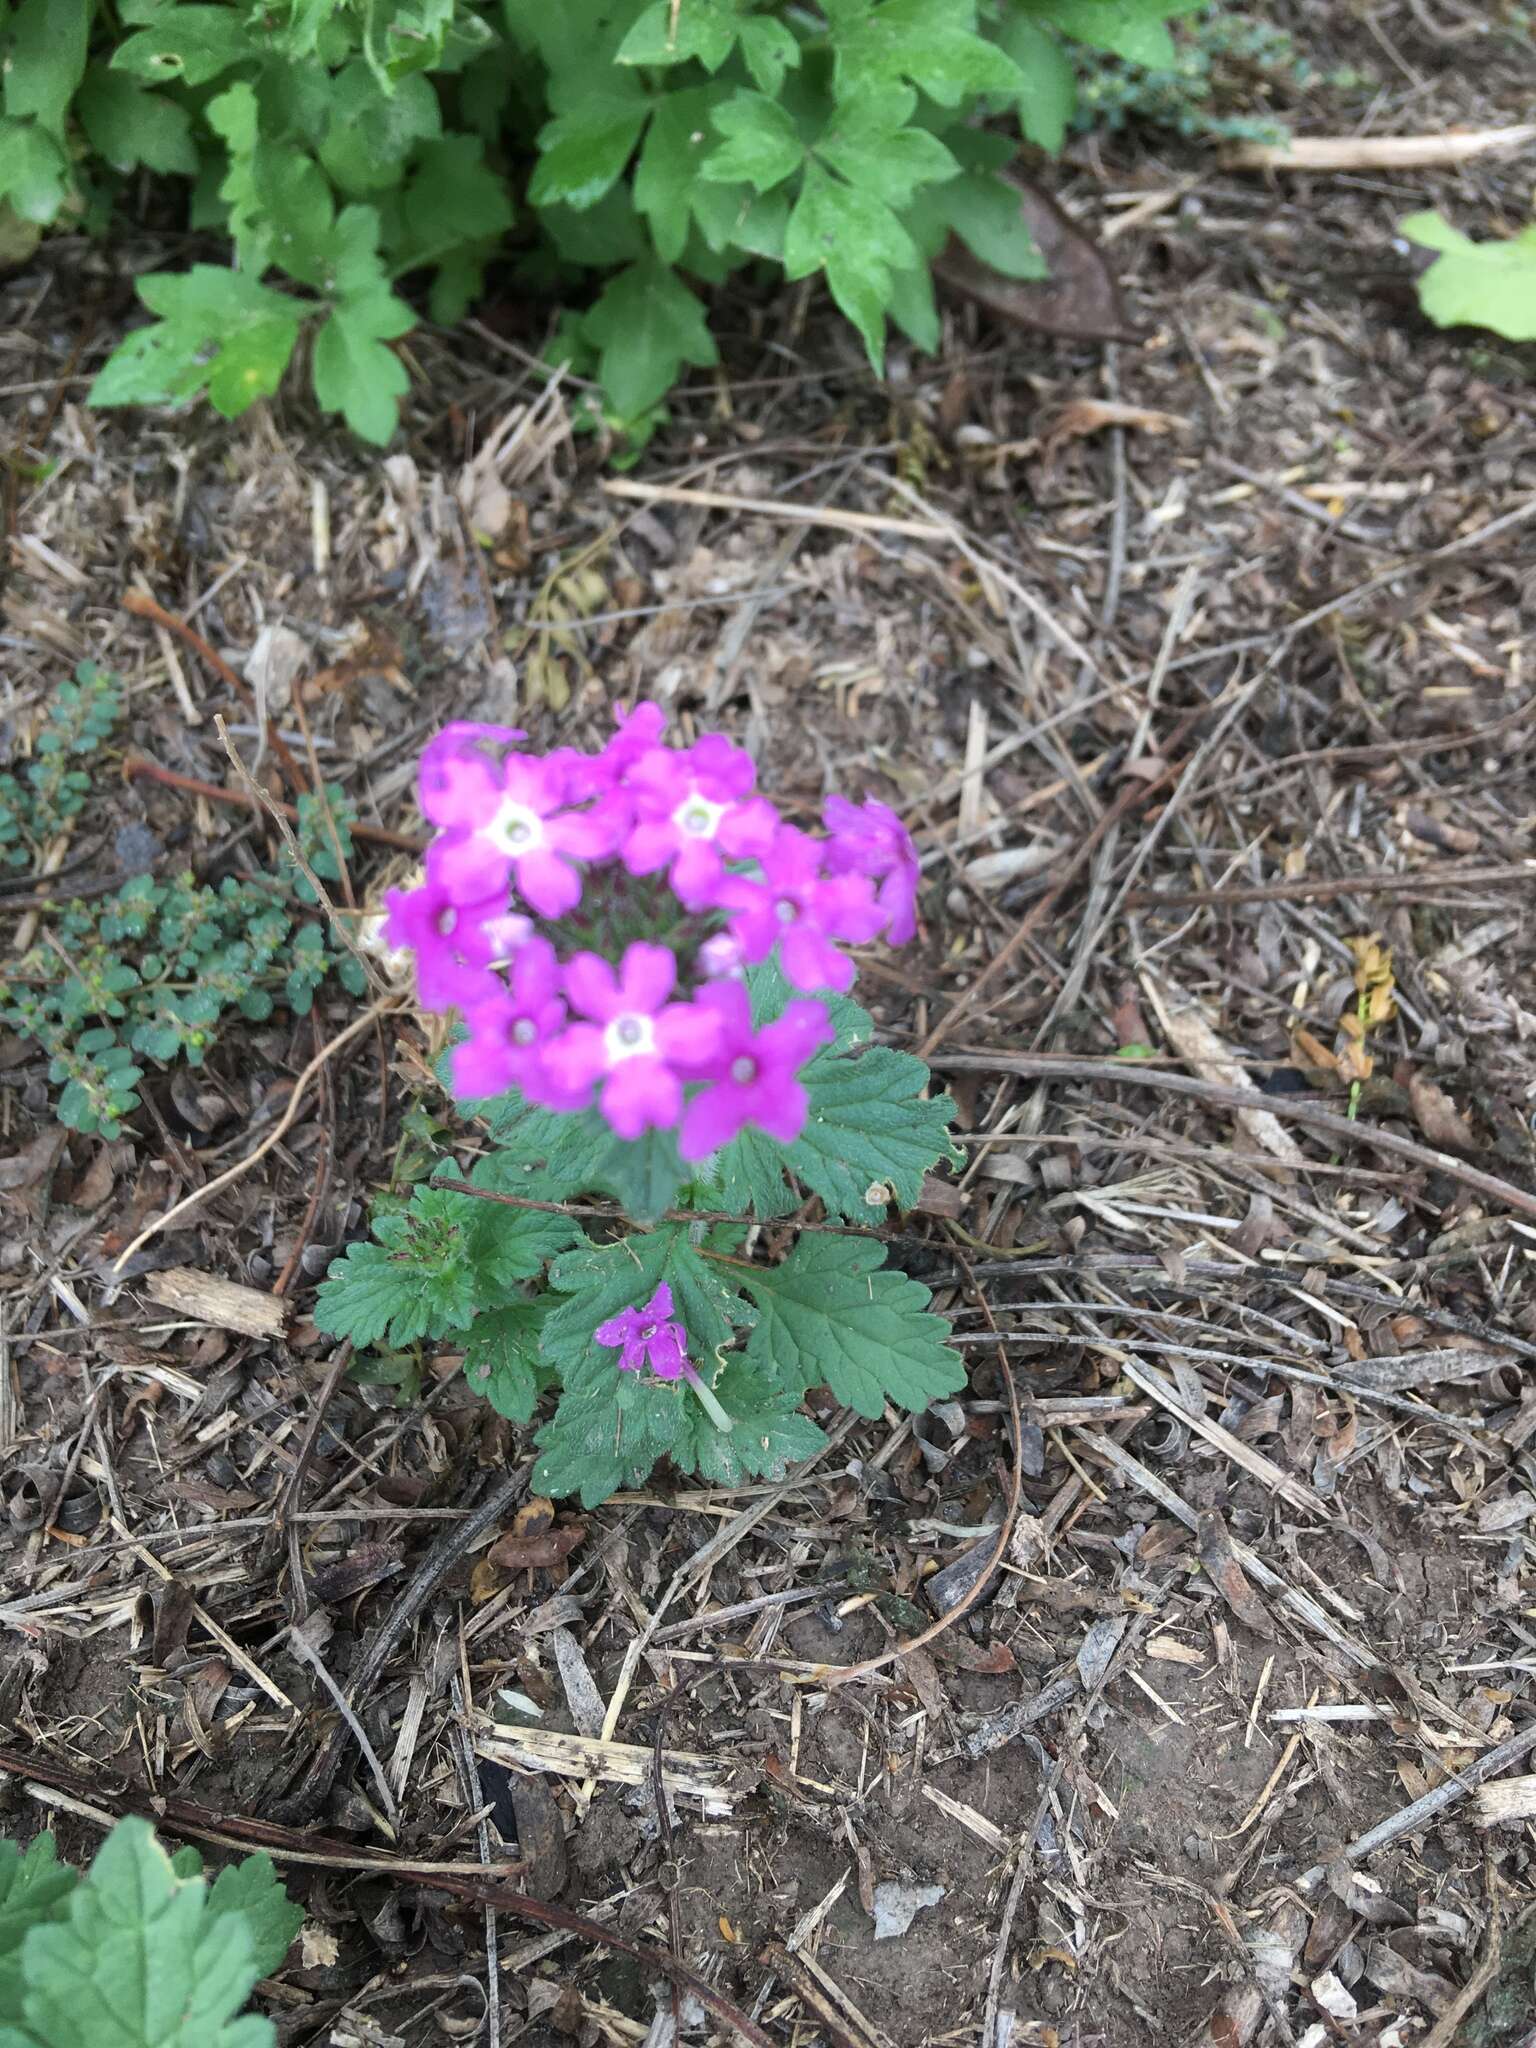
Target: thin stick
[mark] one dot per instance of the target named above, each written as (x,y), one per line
(273,1137)
(138,767)
(775,508)
(1132,1074)
(143,606)
(1377,152)
(1319,888)
(1410,1818)
(309,1655)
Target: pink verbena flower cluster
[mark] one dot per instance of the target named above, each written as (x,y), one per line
(590,916)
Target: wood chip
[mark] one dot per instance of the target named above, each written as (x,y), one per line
(618,1763)
(205,1298)
(1193,1039)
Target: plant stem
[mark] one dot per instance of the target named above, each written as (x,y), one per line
(138,765)
(707,1401)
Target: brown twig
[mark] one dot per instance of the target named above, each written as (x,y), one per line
(455,1542)
(1133,1074)
(137,767)
(143,606)
(1319,888)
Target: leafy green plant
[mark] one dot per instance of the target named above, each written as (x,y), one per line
(139,1951)
(629,154)
(149,971)
(1476,284)
(522,1289)
(1209,83)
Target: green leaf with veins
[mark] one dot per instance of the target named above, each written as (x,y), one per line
(148,1957)
(672,31)
(762,145)
(582,153)
(217,329)
(827,1316)
(646,325)
(128,126)
(931,44)
(501,1357)
(354,373)
(668,169)
(1133,29)
(869,143)
(857,240)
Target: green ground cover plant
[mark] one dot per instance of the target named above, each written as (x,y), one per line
(351,163)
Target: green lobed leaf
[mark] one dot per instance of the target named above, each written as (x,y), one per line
(34,172)
(668,168)
(857,240)
(371,134)
(1476,284)
(768,49)
(250,1890)
(869,142)
(44,60)
(501,1357)
(1133,29)
(672,31)
(932,44)
(827,1316)
(194,44)
(600,1280)
(355,374)
(762,145)
(146,1959)
(416,1281)
(34,1888)
(871,1136)
(218,329)
(129,126)
(1047,94)
(582,153)
(646,325)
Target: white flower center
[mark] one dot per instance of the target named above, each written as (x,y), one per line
(648,1333)
(786,911)
(696,817)
(445,920)
(629,1037)
(515,829)
(743,1069)
(524,1031)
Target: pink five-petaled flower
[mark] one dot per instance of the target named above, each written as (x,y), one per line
(648,1337)
(869,839)
(459,757)
(454,941)
(799,910)
(636,1040)
(506,822)
(510,1025)
(694,810)
(753,1075)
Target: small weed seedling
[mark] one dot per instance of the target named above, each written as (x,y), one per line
(649,964)
(149,971)
(140,1951)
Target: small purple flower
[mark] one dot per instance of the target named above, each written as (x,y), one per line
(869,839)
(636,1040)
(799,910)
(694,810)
(753,1075)
(448,936)
(510,1027)
(648,1337)
(509,824)
(639,731)
(456,762)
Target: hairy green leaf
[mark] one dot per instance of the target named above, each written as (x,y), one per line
(828,1316)
(149,1957)
(501,1357)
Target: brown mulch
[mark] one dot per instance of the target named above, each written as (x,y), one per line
(1207,726)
